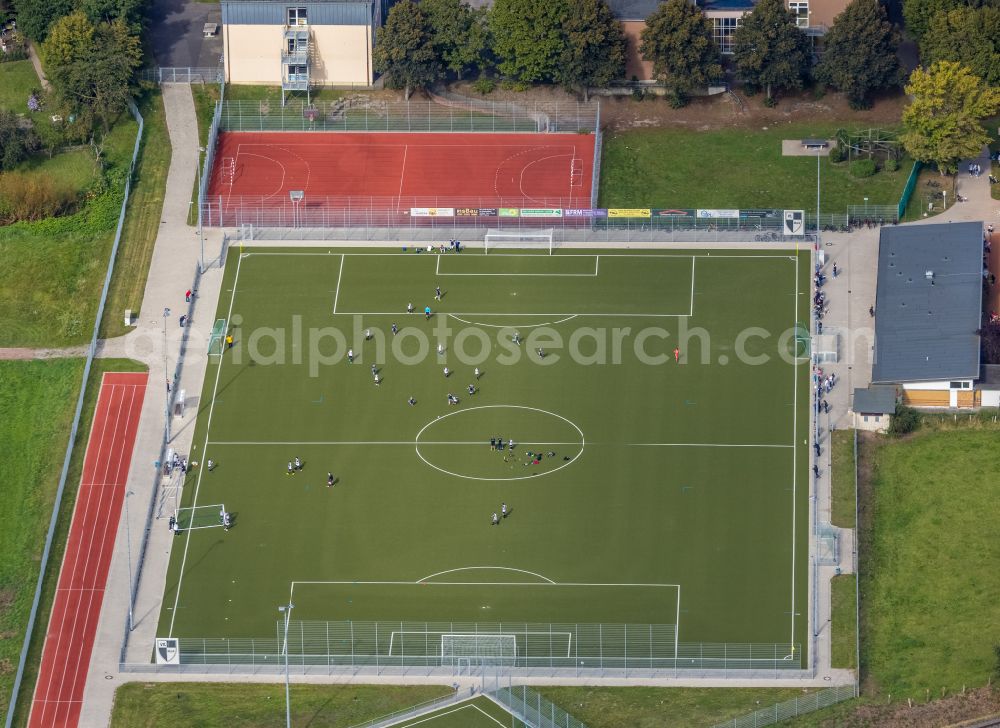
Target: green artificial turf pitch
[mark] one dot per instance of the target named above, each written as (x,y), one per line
(673,512)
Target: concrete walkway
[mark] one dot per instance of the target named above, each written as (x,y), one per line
(159,342)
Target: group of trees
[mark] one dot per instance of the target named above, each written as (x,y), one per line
(579,44)
(576,43)
(91,50)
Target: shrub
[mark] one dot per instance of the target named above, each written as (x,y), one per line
(904,421)
(837,154)
(677,99)
(770,102)
(891,165)
(484,85)
(33,197)
(863,167)
(17,142)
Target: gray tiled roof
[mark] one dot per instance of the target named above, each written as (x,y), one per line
(876,400)
(925,325)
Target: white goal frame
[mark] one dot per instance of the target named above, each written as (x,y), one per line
(516,237)
(481,646)
(209,516)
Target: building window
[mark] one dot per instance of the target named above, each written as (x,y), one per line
(960,385)
(298,44)
(297,73)
(297,16)
(723,30)
(801,10)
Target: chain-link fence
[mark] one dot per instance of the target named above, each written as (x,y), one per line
(183,74)
(532,709)
(367,113)
(792,708)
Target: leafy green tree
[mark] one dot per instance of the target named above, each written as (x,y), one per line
(769,50)
(917,14)
(459,33)
(16,142)
(970,36)
(594,51)
(678,40)
(93,66)
(131,11)
(34,17)
(943,123)
(528,37)
(860,53)
(404,51)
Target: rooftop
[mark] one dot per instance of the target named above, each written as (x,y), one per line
(876,400)
(928,303)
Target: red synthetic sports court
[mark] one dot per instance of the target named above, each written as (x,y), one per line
(390,173)
(69,639)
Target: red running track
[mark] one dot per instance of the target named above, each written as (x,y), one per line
(524,169)
(69,640)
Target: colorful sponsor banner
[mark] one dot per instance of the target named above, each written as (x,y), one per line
(718,213)
(630,212)
(672,213)
(488,212)
(467,212)
(585,212)
(508,212)
(432,211)
(541,212)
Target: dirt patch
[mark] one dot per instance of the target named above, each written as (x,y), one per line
(950,711)
(7,597)
(712,112)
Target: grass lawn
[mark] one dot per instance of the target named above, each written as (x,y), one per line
(17,80)
(843,510)
(226,705)
(36,409)
(843,621)
(929,589)
(48,437)
(205,96)
(75,167)
(273,93)
(732,168)
(642,707)
(142,220)
(51,272)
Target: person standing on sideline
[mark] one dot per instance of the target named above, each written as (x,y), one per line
(677,355)
(437,293)
(298,464)
(836,270)
(409,308)
(229,341)
(427,312)
(187,296)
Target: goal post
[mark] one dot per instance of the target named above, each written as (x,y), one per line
(478,646)
(191,518)
(519,239)
(217,339)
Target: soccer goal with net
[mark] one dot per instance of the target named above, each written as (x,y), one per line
(479,646)
(194,517)
(496,239)
(217,339)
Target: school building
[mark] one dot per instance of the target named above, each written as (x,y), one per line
(300,45)
(928,311)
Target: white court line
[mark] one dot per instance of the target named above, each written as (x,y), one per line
(622,314)
(336,296)
(475,568)
(435,715)
(520,443)
(699,444)
(204,452)
(795,415)
(402,173)
(481,583)
(437,271)
(693,259)
(471,252)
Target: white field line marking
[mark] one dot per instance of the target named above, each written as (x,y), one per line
(513,718)
(480,583)
(281,185)
(435,715)
(336,296)
(525,255)
(795,429)
(507,326)
(402,174)
(597,265)
(204,453)
(621,314)
(474,568)
(693,259)
(520,443)
(437,271)
(677,623)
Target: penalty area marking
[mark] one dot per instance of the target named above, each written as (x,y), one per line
(508,326)
(474,568)
(597,264)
